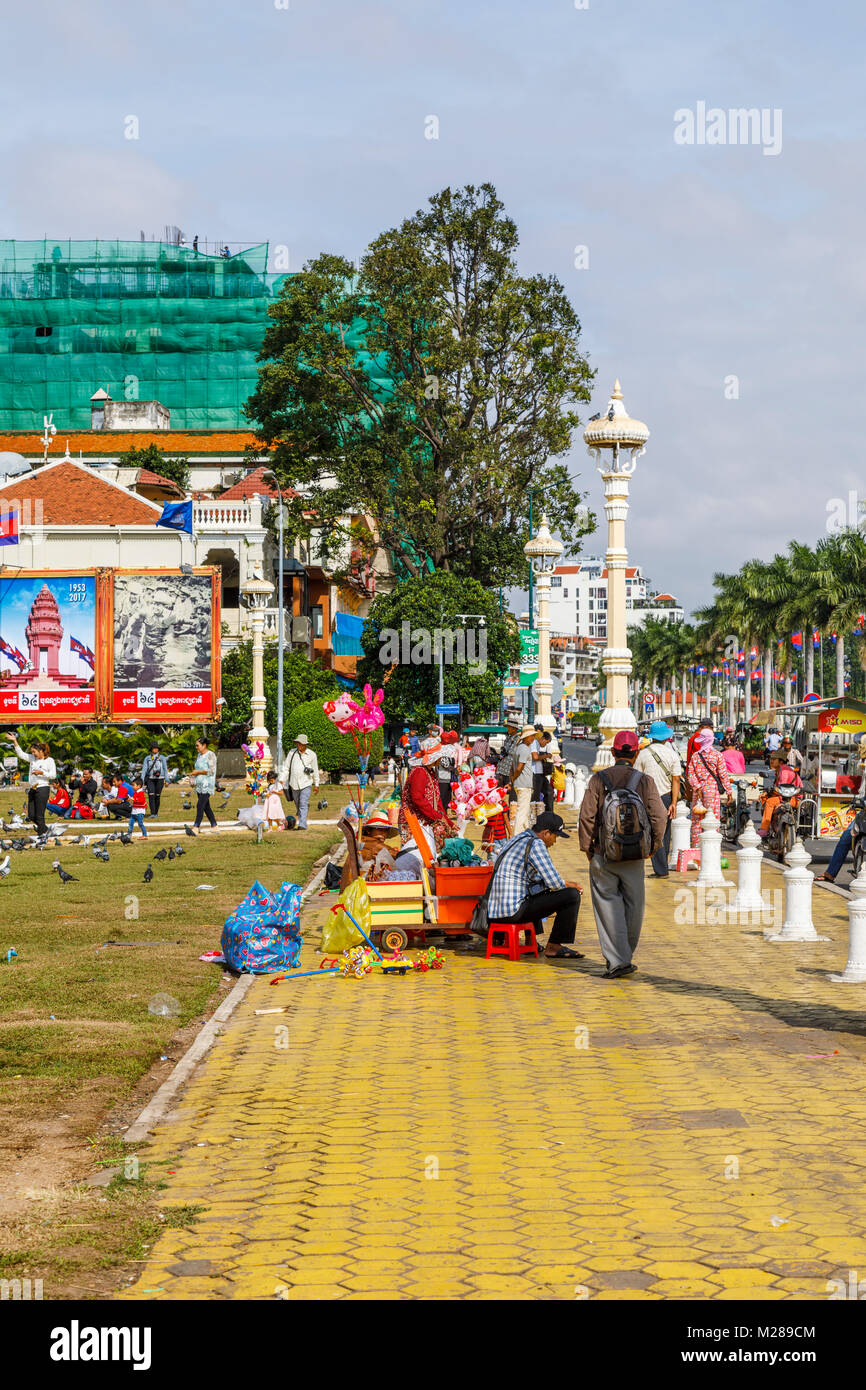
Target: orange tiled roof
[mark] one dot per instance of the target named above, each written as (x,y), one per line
(109,443)
(75,496)
(254,484)
(151,479)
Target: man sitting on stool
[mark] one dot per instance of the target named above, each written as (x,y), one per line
(527,888)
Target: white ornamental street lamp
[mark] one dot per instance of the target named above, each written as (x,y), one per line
(616,442)
(543,551)
(257,592)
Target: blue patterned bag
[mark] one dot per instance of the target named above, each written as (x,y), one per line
(264,931)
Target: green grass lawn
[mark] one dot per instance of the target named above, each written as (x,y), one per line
(75,1032)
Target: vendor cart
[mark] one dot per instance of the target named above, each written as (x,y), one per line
(443,899)
(827,733)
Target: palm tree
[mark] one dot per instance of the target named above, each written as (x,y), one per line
(840,579)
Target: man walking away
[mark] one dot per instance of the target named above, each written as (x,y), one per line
(154,772)
(300,773)
(660,761)
(527,888)
(622,822)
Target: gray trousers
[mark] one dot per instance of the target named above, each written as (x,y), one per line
(302,801)
(618,902)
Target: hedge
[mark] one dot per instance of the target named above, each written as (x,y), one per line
(336,752)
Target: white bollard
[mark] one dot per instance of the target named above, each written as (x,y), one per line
(680,833)
(749,861)
(568,794)
(581,779)
(855,971)
(798,880)
(710,874)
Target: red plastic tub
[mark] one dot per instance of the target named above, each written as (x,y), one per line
(458,890)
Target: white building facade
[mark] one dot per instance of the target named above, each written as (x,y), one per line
(578,600)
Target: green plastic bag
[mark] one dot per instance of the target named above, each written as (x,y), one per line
(338,933)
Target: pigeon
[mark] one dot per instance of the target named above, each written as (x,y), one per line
(62,874)
(160,854)
(126,839)
(171,854)
(190,833)
(4,867)
(321,805)
(79,840)
(178,849)
(148,874)
(113,836)
(103,855)
(187,804)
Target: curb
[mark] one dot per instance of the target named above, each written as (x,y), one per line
(158,1107)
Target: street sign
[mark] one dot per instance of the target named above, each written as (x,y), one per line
(447,709)
(528,656)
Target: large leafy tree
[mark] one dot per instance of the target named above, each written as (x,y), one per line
(404,658)
(433,387)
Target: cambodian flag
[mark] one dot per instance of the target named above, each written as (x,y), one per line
(9,526)
(797,641)
(83,651)
(13,654)
(861,624)
(816,638)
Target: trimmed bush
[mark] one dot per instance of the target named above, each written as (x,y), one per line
(336,752)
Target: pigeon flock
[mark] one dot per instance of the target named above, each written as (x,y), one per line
(54,836)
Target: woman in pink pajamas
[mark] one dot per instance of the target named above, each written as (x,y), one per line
(706,770)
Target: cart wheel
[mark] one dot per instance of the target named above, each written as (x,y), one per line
(393,939)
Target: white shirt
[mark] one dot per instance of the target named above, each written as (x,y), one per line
(300,770)
(662,776)
(41,771)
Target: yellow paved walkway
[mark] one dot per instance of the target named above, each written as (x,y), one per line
(534,1131)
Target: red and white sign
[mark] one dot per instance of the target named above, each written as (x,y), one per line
(130,704)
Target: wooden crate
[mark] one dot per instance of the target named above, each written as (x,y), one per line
(398,904)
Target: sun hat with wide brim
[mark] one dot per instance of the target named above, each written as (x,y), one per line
(377,821)
(659,731)
(301,738)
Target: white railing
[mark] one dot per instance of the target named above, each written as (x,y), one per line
(241,515)
(236,625)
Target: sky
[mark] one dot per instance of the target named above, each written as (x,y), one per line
(724,286)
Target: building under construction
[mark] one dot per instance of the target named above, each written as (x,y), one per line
(140,320)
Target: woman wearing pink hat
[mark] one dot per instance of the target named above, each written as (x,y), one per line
(709,777)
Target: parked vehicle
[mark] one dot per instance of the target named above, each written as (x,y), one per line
(793,818)
(735,814)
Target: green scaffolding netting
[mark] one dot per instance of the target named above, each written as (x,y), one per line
(145,320)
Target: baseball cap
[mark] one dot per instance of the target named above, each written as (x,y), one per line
(626,741)
(548,820)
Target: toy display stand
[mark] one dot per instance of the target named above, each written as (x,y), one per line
(688,859)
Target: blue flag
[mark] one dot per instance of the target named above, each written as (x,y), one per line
(177,515)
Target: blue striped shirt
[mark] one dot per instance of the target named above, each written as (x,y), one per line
(515,880)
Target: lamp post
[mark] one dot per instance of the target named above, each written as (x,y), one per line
(269,473)
(257,591)
(616,442)
(542,552)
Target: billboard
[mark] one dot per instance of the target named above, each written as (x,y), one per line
(109,645)
(165,629)
(48,645)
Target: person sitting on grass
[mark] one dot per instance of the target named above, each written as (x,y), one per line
(116,797)
(138,806)
(60,802)
(85,783)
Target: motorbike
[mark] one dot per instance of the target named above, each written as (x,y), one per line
(736,812)
(782,834)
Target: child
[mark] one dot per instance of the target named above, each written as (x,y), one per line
(274,812)
(496,828)
(558,780)
(60,802)
(138,807)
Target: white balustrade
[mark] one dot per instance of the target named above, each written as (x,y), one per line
(710,874)
(680,833)
(855,971)
(798,880)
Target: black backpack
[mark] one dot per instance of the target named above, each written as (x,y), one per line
(624,829)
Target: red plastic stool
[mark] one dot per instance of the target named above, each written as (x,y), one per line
(514,948)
